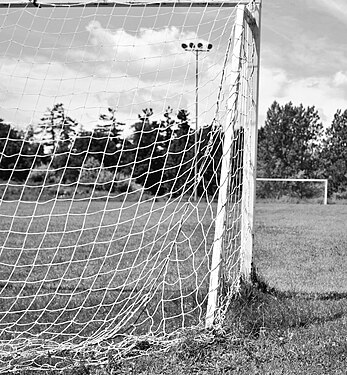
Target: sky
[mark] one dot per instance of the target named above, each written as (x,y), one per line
(304,55)
(89,61)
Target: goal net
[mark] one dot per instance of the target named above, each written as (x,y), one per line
(293,189)
(127,158)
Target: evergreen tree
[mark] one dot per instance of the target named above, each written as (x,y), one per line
(58,132)
(19,153)
(166,130)
(110,126)
(57,129)
(181,154)
(9,149)
(210,159)
(109,134)
(148,152)
(334,153)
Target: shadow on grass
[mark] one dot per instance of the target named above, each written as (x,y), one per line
(266,331)
(259,308)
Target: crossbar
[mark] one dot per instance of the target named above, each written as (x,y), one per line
(115,3)
(323,180)
(293,179)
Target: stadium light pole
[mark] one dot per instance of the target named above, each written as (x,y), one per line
(196,49)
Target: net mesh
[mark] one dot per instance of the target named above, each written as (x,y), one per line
(112,143)
(292,189)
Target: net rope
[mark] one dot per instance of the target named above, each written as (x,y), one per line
(108,186)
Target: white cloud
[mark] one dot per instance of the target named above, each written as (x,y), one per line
(272,86)
(325,93)
(340,79)
(30,87)
(119,69)
(148,54)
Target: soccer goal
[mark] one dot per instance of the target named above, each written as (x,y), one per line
(127,174)
(294,188)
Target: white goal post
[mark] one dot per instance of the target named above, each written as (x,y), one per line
(128,137)
(304,180)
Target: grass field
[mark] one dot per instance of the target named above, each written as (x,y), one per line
(297,328)
(58,263)
(302,248)
(294,323)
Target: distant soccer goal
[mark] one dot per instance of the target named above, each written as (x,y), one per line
(127,174)
(294,188)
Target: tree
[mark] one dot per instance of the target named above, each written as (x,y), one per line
(334,153)
(57,129)
(289,144)
(290,141)
(210,142)
(148,152)
(109,132)
(79,152)
(183,122)
(109,125)
(179,166)
(104,144)
(9,149)
(18,152)
(58,132)
(166,130)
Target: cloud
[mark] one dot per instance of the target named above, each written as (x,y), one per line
(325,93)
(302,55)
(149,54)
(306,39)
(114,68)
(272,87)
(340,79)
(29,87)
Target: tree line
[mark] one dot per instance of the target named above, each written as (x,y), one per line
(160,155)
(293,143)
